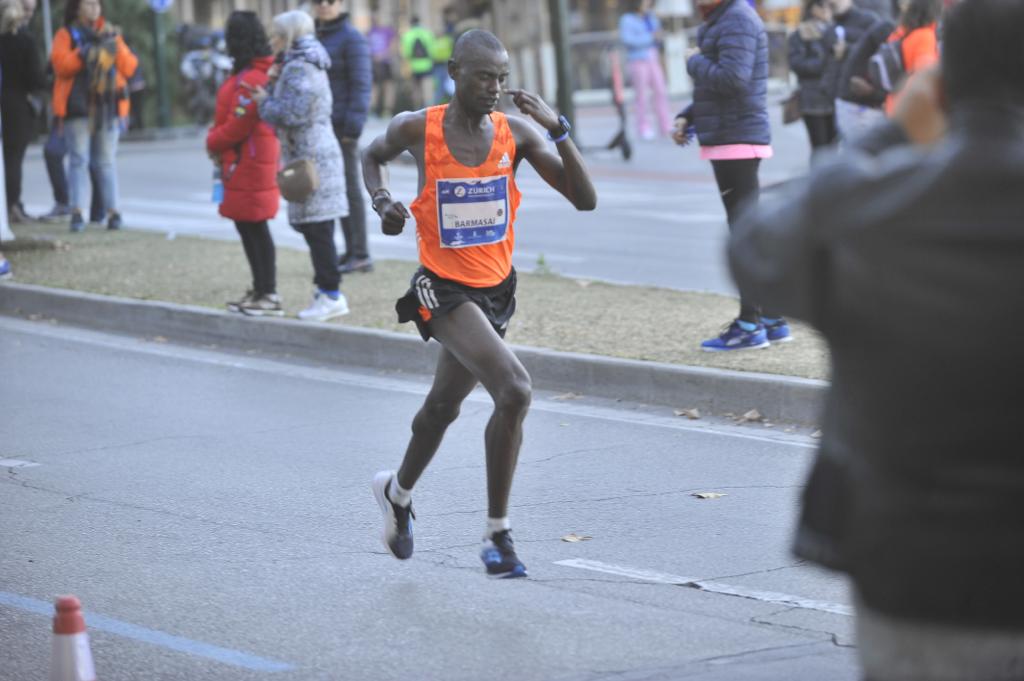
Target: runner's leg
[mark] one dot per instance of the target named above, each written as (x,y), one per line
(470,338)
(452,383)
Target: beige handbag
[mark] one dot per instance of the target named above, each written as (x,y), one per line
(298,180)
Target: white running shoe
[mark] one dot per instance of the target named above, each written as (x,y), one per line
(324,307)
(397,534)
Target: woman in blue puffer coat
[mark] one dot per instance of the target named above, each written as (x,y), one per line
(729,114)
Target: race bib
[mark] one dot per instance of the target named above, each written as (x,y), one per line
(472,212)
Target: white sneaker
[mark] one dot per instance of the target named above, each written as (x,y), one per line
(324,307)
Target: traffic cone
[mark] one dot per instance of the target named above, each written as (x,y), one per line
(72,659)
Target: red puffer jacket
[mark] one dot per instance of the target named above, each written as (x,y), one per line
(248,148)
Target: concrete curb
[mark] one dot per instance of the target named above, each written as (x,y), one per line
(713,391)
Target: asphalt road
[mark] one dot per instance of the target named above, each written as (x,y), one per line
(213,513)
(659,220)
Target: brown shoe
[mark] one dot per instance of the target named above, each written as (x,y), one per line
(267,305)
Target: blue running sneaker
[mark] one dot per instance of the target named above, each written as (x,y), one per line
(735,337)
(777,330)
(499,557)
(397,533)
(5,269)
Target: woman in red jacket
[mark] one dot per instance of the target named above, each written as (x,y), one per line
(917,38)
(247,151)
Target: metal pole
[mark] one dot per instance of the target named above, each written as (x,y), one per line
(163,107)
(47,27)
(559,10)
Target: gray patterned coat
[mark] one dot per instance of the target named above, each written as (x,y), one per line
(300,109)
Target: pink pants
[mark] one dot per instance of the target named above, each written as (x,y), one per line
(646,74)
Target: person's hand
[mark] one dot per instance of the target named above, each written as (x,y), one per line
(258,92)
(861,87)
(533,106)
(839,50)
(692,52)
(273,72)
(393,214)
(921,107)
(679,134)
(349,141)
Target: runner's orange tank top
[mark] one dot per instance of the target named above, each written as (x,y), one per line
(465,216)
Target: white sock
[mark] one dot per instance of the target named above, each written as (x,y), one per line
(397,494)
(495,525)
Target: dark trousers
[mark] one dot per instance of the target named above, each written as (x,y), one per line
(353,227)
(259,251)
(323,253)
(18,128)
(54,154)
(821,129)
(740,189)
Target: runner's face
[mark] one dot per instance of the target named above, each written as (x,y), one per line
(480,79)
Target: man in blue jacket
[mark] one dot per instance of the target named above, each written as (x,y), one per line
(351,79)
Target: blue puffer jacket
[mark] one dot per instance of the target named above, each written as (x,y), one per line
(350,74)
(730,78)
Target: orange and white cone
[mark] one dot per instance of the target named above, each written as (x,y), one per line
(72,659)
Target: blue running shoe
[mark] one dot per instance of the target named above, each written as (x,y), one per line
(5,269)
(499,557)
(777,330)
(735,337)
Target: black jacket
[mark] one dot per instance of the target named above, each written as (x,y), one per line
(807,59)
(350,74)
(910,265)
(856,63)
(855,23)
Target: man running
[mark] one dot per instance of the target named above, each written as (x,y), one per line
(467,156)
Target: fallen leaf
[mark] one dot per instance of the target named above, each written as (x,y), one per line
(708,495)
(816,434)
(751,416)
(574,538)
(159,339)
(584,282)
(692,414)
(564,425)
(567,396)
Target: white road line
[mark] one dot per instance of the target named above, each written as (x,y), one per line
(341,376)
(711,587)
(17,463)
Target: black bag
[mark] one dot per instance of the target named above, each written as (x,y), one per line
(886,70)
(419,49)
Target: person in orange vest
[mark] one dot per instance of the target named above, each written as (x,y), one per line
(91,65)
(917,38)
(463,295)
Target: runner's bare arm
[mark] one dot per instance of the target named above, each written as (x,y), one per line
(564,171)
(405,132)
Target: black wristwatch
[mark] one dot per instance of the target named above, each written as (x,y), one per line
(562,132)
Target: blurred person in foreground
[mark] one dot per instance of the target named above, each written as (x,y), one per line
(20,104)
(351,80)
(906,252)
(808,55)
(91,65)
(247,152)
(300,108)
(729,114)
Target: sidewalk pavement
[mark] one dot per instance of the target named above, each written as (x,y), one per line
(629,343)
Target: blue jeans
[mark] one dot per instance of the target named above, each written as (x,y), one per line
(98,149)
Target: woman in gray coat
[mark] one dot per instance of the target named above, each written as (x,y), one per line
(300,108)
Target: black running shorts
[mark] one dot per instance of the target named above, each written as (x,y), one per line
(431,296)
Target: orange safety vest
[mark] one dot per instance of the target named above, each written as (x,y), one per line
(465,216)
